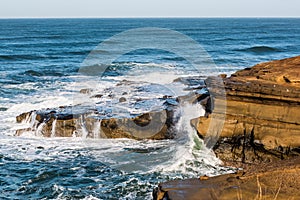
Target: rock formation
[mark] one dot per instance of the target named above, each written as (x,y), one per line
(260,108)
(262,113)
(62,123)
(261,134)
(278,180)
(98,121)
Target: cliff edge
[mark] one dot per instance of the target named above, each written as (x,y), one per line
(262,121)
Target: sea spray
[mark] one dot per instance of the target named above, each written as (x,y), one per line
(191,155)
(39,130)
(81,123)
(33,120)
(53,128)
(97,129)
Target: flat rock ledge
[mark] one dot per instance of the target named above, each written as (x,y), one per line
(277,180)
(261,135)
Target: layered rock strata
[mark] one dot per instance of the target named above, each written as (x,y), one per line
(259,131)
(262,118)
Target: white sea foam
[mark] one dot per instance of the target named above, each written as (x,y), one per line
(181,154)
(188,150)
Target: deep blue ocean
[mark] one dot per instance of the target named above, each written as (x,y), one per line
(40,64)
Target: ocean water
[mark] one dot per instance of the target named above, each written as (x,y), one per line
(40,65)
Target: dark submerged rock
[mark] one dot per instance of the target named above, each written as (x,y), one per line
(122,99)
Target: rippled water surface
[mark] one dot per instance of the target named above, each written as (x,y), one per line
(39,64)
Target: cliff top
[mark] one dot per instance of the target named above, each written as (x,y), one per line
(283,72)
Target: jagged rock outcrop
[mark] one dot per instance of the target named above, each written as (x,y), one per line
(102,121)
(262,118)
(277,180)
(62,123)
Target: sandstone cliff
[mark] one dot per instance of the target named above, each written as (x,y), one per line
(262,113)
(261,133)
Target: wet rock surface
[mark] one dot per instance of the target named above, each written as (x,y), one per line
(63,123)
(114,116)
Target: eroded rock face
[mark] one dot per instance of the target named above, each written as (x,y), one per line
(278,180)
(261,134)
(155,118)
(57,123)
(262,113)
(90,123)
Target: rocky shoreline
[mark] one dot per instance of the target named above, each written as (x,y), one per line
(261,134)
(262,114)
(92,121)
(258,130)
(276,180)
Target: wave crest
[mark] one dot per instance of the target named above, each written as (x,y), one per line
(260,49)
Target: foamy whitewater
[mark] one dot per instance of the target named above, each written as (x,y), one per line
(39,64)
